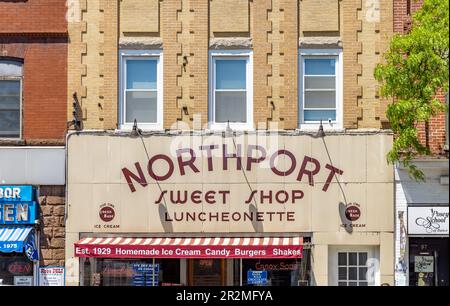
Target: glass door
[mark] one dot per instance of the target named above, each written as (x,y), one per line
(207,272)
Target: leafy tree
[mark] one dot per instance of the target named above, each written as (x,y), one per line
(415,70)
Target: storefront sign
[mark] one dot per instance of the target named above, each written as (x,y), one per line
(256,277)
(428,220)
(16,193)
(51,276)
(214,184)
(20,267)
(23,280)
(17,205)
(423,263)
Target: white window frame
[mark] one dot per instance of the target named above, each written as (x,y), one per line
(141,55)
(231,54)
(372,251)
(20,79)
(321,53)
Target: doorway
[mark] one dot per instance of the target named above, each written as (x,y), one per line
(207,272)
(428,262)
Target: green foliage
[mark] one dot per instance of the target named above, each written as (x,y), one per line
(415,70)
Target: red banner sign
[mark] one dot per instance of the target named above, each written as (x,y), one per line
(190,248)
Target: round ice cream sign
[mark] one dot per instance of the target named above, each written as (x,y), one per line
(352,212)
(107,212)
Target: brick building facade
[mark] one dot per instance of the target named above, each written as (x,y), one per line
(415,200)
(33,118)
(205,66)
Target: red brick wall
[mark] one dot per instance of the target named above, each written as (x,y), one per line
(31,16)
(437,124)
(36,32)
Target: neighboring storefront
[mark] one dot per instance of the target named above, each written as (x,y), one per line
(31,213)
(256,209)
(19,253)
(422,236)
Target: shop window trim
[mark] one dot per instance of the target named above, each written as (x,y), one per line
(231,54)
(141,55)
(336,54)
(20,79)
(357,267)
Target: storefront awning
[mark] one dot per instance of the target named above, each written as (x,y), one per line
(218,247)
(12,238)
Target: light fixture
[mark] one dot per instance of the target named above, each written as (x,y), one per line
(228,130)
(135,132)
(320,132)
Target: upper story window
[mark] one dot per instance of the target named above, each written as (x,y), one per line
(141,96)
(231,90)
(10,99)
(320,90)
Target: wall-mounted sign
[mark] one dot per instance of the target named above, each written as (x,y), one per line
(107,212)
(18,213)
(51,276)
(17,205)
(423,263)
(23,280)
(428,220)
(251,183)
(16,193)
(352,212)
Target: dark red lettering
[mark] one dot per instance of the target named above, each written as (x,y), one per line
(333,171)
(130,175)
(209,155)
(226,156)
(287,172)
(152,173)
(251,159)
(190,162)
(309,173)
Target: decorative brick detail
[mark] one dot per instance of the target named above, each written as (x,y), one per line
(352,48)
(52,225)
(185,47)
(93,74)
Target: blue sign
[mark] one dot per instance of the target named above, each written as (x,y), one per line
(30,248)
(17,205)
(18,212)
(145,274)
(144,267)
(256,277)
(16,193)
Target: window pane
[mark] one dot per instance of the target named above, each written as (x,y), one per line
(342,273)
(353,284)
(10,69)
(231,74)
(141,74)
(9,123)
(320,99)
(363,283)
(362,259)
(352,257)
(342,284)
(231,106)
(352,274)
(141,106)
(320,82)
(362,273)
(317,115)
(342,259)
(9,108)
(320,66)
